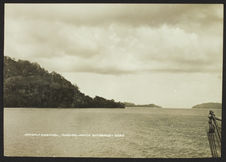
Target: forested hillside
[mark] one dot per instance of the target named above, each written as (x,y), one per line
(27,84)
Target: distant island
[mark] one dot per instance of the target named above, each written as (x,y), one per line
(129,104)
(209,105)
(27,84)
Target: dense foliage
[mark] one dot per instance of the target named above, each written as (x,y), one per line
(27,84)
(211,105)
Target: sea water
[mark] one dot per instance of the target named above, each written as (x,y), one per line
(104,132)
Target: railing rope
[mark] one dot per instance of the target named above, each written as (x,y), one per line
(214,134)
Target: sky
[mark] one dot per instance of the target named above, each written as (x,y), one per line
(166,54)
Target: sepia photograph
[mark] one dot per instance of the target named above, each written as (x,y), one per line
(113,80)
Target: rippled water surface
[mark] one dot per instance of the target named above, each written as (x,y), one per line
(145,132)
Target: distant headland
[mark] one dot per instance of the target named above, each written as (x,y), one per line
(129,104)
(209,105)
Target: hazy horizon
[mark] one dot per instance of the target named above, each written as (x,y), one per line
(164,54)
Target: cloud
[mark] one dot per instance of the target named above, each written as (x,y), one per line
(115,39)
(99,14)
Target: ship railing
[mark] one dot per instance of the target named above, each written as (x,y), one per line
(214,134)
